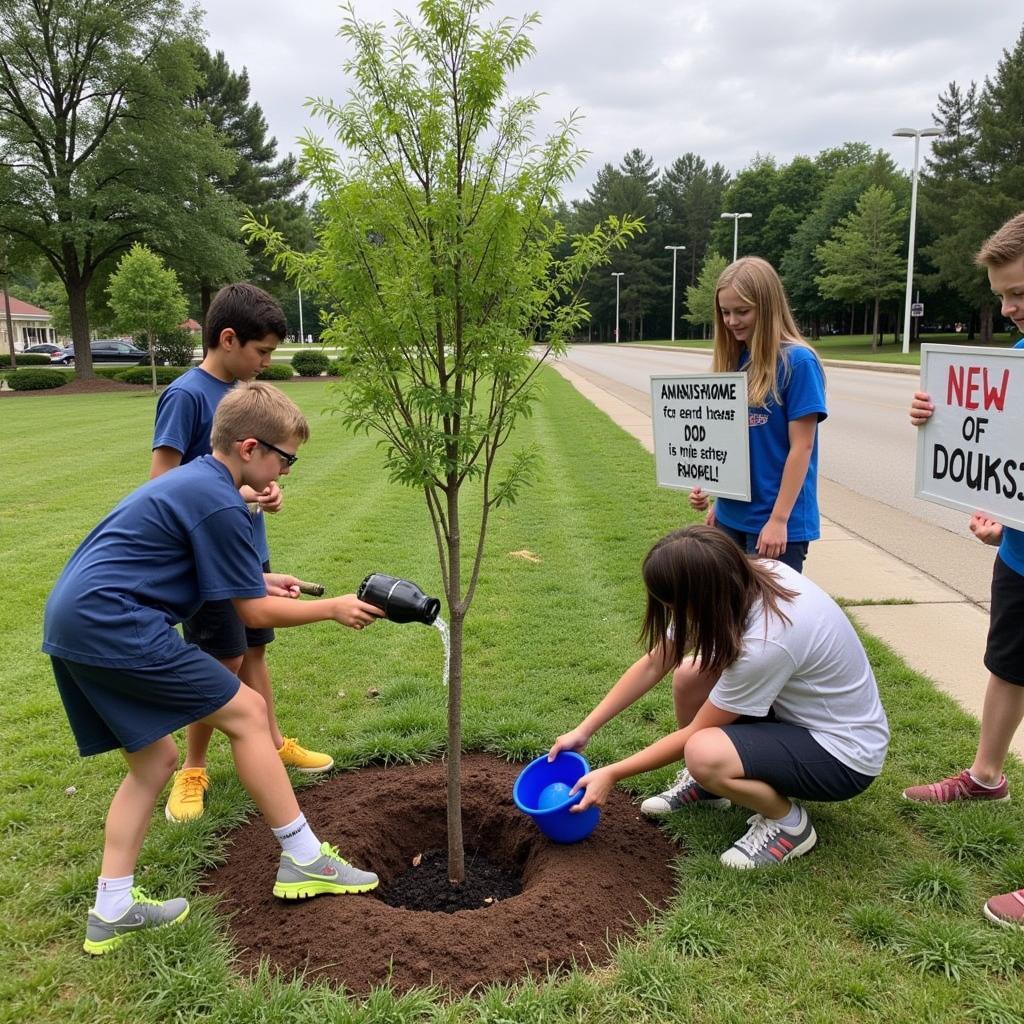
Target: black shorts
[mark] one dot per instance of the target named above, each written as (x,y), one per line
(792,762)
(217,630)
(111,708)
(1004,651)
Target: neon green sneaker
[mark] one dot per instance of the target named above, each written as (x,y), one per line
(329,873)
(101,935)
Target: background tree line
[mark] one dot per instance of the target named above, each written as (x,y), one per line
(834,225)
(118,126)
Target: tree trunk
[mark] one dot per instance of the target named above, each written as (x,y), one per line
(985,316)
(456,853)
(866,308)
(152,357)
(874,327)
(10,327)
(816,328)
(80,328)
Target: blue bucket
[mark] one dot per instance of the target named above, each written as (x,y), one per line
(542,792)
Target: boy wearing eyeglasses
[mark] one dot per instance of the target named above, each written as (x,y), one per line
(243,327)
(128,680)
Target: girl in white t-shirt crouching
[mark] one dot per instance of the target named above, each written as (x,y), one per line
(773,694)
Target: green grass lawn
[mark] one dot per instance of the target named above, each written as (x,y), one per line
(857,347)
(881,923)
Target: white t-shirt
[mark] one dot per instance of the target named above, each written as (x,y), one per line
(813,671)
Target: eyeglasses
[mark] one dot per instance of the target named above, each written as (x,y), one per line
(286,457)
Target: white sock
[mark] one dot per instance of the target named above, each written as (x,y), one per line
(986,785)
(298,840)
(113,896)
(790,819)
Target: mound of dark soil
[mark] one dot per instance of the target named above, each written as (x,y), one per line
(574,899)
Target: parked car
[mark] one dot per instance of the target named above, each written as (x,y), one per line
(109,350)
(55,352)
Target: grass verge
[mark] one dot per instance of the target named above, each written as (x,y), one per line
(880,923)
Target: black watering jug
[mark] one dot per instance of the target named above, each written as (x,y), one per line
(401,600)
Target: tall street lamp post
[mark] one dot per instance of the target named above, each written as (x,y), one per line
(675,252)
(916,134)
(735,218)
(617,276)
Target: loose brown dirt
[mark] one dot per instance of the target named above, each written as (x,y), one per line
(575,899)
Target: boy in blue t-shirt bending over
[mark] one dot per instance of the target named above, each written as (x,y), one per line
(1002,256)
(128,679)
(243,327)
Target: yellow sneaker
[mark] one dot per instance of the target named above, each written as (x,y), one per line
(303,760)
(185,802)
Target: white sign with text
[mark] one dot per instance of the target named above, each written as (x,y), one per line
(970,453)
(700,433)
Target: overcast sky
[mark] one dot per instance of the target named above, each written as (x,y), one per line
(726,79)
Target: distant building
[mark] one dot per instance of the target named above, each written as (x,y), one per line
(32,325)
(192,326)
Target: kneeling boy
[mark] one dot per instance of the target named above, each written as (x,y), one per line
(128,680)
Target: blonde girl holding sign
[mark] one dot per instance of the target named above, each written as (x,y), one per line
(755,332)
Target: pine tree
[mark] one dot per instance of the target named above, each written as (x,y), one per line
(862,259)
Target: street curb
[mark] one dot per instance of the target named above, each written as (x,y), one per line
(850,364)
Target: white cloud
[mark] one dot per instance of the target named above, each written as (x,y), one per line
(725,79)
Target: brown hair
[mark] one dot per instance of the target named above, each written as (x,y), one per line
(702,585)
(255,409)
(757,283)
(1004,246)
(249,311)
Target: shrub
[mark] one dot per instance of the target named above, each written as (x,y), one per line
(310,364)
(144,375)
(338,368)
(275,371)
(175,347)
(107,372)
(25,359)
(36,380)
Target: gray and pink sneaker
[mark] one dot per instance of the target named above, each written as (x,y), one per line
(1007,909)
(959,787)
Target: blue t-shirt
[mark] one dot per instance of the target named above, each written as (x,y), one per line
(801,386)
(1011,547)
(184,419)
(179,540)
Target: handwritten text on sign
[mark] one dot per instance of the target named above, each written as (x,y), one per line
(700,433)
(970,454)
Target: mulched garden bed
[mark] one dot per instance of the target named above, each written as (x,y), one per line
(574,899)
(79,387)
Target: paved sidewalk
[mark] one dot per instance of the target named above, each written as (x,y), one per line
(942,634)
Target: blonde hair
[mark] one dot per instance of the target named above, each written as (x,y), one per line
(1004,246)
(756,283)
(255,409)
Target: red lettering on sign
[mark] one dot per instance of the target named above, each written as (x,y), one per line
(966,392)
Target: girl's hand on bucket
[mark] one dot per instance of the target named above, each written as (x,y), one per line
(575,740)
(598,784)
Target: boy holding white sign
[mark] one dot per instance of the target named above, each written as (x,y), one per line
(1003,257)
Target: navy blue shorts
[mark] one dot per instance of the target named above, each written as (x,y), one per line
(792,762)
(794,555)
(217,630)
(111,708)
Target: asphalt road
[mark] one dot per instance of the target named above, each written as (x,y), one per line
(867,452)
